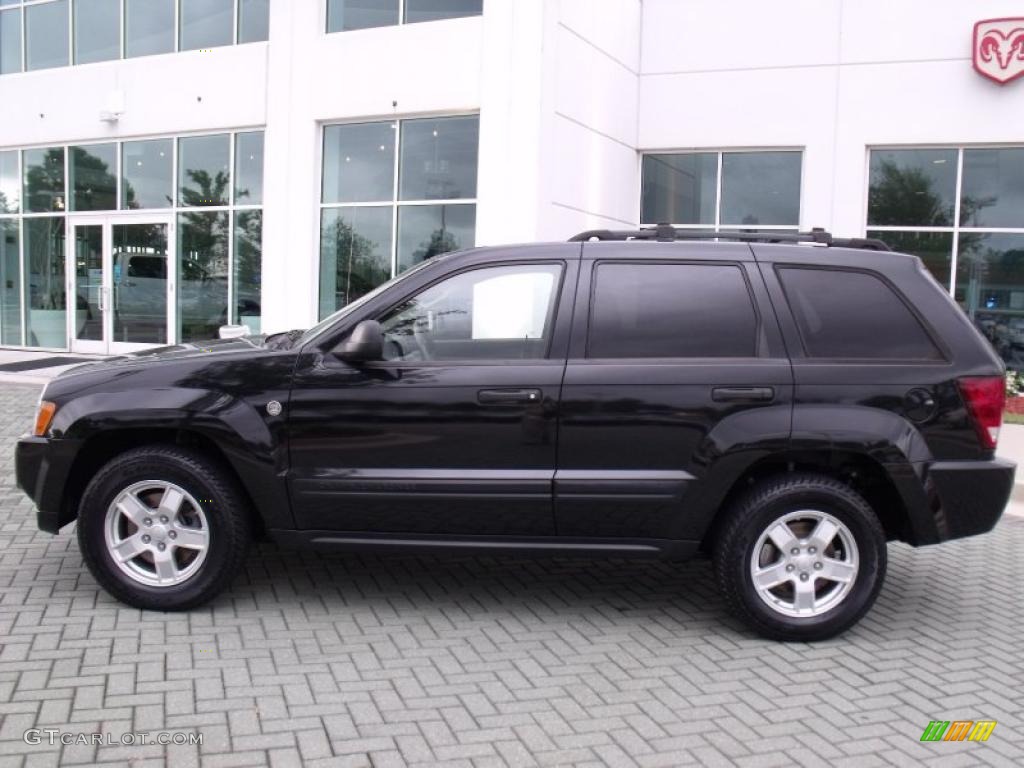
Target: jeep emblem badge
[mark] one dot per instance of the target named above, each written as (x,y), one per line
(274,408)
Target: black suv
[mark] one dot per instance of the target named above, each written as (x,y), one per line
(784,403)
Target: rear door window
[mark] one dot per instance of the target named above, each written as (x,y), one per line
(854,315)
(646,310)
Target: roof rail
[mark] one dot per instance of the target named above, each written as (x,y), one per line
(666,233)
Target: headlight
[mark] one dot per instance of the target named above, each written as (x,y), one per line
(44,415)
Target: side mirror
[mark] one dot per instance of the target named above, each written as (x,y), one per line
(363,345)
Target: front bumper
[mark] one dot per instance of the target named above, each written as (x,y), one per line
(42,466)
(971,495)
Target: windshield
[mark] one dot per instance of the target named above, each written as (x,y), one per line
(331,319)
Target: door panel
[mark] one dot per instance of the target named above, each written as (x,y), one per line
(637,434)
(422,445)
(412,448)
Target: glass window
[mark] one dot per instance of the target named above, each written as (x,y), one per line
(148,27)
(355,253)
(146,174)
(359,162)
(203,170)
(990,288)
(439,158)
(992,191)
(432,10)
(852,315)
(935,249)
(10,41)
(912,187)
(760,188)
(249,168)
(10,183)
(10,282)
(44,179)
(248,269)
(97,30)
(343,15)
(46,33)
(45,280)
(202,274)
(140,283)
(671,310)
(425,231)
(206,23)
(93,177)
(253,20)
(679,189)
(498,313)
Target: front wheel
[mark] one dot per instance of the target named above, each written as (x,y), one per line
(163,528)
(801,557)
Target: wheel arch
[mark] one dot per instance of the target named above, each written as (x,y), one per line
(860,471)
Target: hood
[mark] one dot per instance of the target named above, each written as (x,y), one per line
(196,349)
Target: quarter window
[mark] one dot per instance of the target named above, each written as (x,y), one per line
(852,315)
(498,313)
(972,243)
(671,311)
(722,190)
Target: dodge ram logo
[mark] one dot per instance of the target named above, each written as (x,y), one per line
(999,49)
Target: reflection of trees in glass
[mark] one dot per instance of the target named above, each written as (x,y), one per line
(44,182)
(44,256)
(357,267)
(248,261)
(95,187)
(205,189)
(441,241)
(905,196)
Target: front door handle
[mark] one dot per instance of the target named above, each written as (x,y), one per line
(742,394)
(508,396)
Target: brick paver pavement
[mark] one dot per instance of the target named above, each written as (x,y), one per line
(357,661)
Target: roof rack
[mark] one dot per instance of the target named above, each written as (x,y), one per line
(666,233)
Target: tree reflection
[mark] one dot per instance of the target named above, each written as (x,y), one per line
(356,261)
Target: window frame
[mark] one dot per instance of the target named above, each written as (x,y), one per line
(717,225)
(957,229)
(930,332)
(558,290)
(394,202)
(233,208)
(761,346)
(400,23)
(22,5)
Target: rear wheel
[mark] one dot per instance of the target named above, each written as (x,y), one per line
(801,557)
(163,527)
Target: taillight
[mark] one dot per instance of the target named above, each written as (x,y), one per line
(985,397)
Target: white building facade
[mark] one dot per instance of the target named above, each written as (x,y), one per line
(168,166)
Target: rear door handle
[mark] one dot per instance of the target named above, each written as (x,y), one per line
(508,396)
(742,394)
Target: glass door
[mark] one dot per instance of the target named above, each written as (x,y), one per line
(120,270)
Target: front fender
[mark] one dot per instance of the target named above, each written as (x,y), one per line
(252,444)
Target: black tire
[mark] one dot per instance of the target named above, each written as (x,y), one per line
(222,503)
(751,516)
